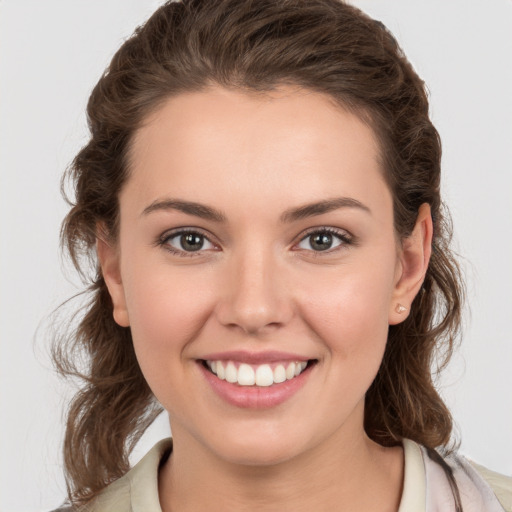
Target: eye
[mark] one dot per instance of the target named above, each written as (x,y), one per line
(324,240)
(186,242)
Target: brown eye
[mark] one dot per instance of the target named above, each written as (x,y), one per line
(191,241)
(187,242)
(321,241)
(324,240)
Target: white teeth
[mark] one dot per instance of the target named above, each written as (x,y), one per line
(279,374)
(246,375)
(264,375)
(231,373)
(259,375)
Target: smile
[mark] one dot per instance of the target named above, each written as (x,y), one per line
(262,375)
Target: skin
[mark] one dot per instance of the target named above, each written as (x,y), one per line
(258,285)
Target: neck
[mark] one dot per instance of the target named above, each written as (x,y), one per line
(351,473)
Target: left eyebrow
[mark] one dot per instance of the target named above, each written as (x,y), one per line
(188,207)
(321,207)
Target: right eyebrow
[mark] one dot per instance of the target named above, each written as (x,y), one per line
(188,207)
(321,207)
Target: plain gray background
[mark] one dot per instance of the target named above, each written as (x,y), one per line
(53,52)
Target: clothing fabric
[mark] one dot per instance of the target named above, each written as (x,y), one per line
(426,487)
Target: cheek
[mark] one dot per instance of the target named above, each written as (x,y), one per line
(350,312)
(166,312)
(347,314)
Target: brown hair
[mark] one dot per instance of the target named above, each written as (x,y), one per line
(322,45)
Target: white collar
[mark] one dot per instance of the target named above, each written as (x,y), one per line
(414,489)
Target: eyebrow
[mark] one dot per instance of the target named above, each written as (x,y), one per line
(321,207)
(291,215)
(189,207)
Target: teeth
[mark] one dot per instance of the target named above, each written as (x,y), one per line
(279,374)
(221,373)
(264,375)
(260,375)
(231,373)
(299,367)
(246,375)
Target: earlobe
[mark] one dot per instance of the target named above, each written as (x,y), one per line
(108,257)
(414,259)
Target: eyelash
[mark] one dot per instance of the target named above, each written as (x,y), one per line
(163,241)
(344,238)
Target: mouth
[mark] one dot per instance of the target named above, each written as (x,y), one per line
(257,375)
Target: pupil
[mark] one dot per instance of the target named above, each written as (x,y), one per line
(321,241)
(191,242)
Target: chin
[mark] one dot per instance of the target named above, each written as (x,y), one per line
(257,455)
(261,447)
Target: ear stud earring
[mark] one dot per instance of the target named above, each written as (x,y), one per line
(400,308)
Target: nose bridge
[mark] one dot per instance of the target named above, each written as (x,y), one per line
(255,297)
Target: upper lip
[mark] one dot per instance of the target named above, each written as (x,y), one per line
(244,356)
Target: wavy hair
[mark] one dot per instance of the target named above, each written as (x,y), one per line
(326,46)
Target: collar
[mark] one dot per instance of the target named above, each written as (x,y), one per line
(143,479)
(414,489)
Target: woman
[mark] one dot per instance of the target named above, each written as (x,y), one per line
(261,188)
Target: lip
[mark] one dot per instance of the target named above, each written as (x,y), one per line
(255,397)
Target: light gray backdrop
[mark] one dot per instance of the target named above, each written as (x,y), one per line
(52,53)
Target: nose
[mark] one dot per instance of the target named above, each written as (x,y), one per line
(255,299)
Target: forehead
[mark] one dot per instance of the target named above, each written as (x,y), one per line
(291,139)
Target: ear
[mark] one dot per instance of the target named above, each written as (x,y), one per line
(108,257)
(414,258)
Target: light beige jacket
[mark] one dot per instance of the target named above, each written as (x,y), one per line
(426,488)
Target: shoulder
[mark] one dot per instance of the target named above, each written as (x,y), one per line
(480,489)
(136,491)
(115,496)
(500,484)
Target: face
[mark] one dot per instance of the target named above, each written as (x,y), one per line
(258,269)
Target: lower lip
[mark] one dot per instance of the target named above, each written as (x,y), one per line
(256,397)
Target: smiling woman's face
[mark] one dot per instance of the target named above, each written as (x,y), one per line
(256,241)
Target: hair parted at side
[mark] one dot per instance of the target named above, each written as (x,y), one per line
(323,45)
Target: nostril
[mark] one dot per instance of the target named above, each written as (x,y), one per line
(254,306)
